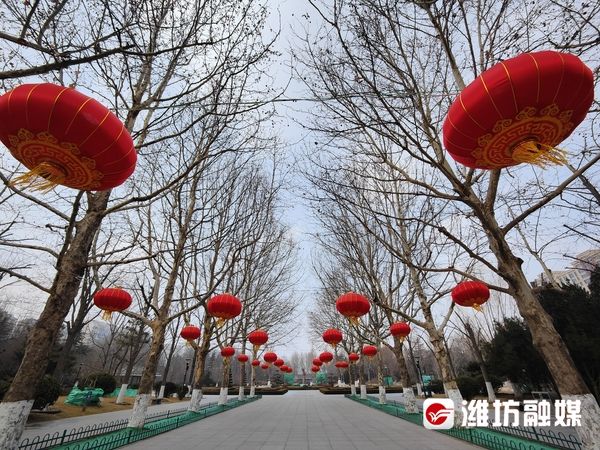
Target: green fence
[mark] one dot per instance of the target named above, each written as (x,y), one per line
(484,437)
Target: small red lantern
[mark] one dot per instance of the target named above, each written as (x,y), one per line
(112,299)
(341,365)
(243,358)
(264,366)
(471,293)
(519,110)
(317,362)
(224,307)
(283,368)
(326,357)
(258,338)
(270,357)
(332,336)
(279,362)
(290,370)
(227,352)
(353,306)
(369,351)
(315,369)
(353,357)
(256,363)
(190,333)
(400,329)
(65,138)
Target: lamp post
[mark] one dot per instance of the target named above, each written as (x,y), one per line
(418,364)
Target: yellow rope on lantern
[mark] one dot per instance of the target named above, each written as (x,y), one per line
(542,155)
(44,177)
(106,315)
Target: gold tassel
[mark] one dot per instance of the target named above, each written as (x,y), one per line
(477,307)
(220,322)
(542,155)
(354,320)
(106,315)
(44,177)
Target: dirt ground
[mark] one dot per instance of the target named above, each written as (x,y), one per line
(66,411)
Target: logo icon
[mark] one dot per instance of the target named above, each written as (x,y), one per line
(438,413)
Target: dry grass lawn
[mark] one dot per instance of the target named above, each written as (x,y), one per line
(66,411)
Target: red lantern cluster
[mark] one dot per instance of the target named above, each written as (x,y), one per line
(190,333)
(369,351)
(519,110)
(112,300)
(64,137)
(224,307)
(353,357)
(353,306)
(332,336)
(227,352)
(270,357)
(258,338)
(243,358)
(400,329)
(256,363)
(470,294)
(325,357)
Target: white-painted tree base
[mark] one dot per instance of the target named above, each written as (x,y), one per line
(241,395)
(252,391)
(363,391)
(195,401)
(419,389)
(13,417)
(490,391)
(589,431)
(140,407)
(121,396)
(410,401)
(382,398)
(455,395)
(223,396)
(269,383)
(353,390)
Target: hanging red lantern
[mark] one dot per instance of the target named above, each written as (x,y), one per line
(190,333)
(227,352)
(64,137)
(315,369)
(283,368)
(258,338)
(353,357)
(400,329)
(224,307)
(256,363)
(317,362)
(353,306)
(332,336)
(326,357)
(341,365)
(112,300)
(369,351)
(270,357)
(243,358)
(290,370)
(264,366)
(471,294)
(279,362)
(519,110)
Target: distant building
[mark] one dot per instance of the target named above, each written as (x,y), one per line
(578,275)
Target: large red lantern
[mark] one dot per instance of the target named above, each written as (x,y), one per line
(315,369)
(341,365)
(369,351)
(353,306)
(326,357)
(471,294)
(64,137)
(264,366)
(190,333)
(258,338)
(279,362)
(227,352)
(332,336)
(224,307)
(270,357)
(353,357)
(519,110)
(112,299)
(317,362)
(256,363)
(243,358)
(400,329)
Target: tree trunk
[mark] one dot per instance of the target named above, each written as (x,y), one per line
(144,397)
(70,269)
(225,381)
(380,381)
(410,402)
(479,357)
(63,356)
(361,377)
(168,364)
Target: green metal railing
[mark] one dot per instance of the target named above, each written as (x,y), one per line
(484,437)
(119,438)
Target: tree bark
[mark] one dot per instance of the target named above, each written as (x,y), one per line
(410,402)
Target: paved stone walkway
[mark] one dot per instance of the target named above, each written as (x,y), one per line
(302,420)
